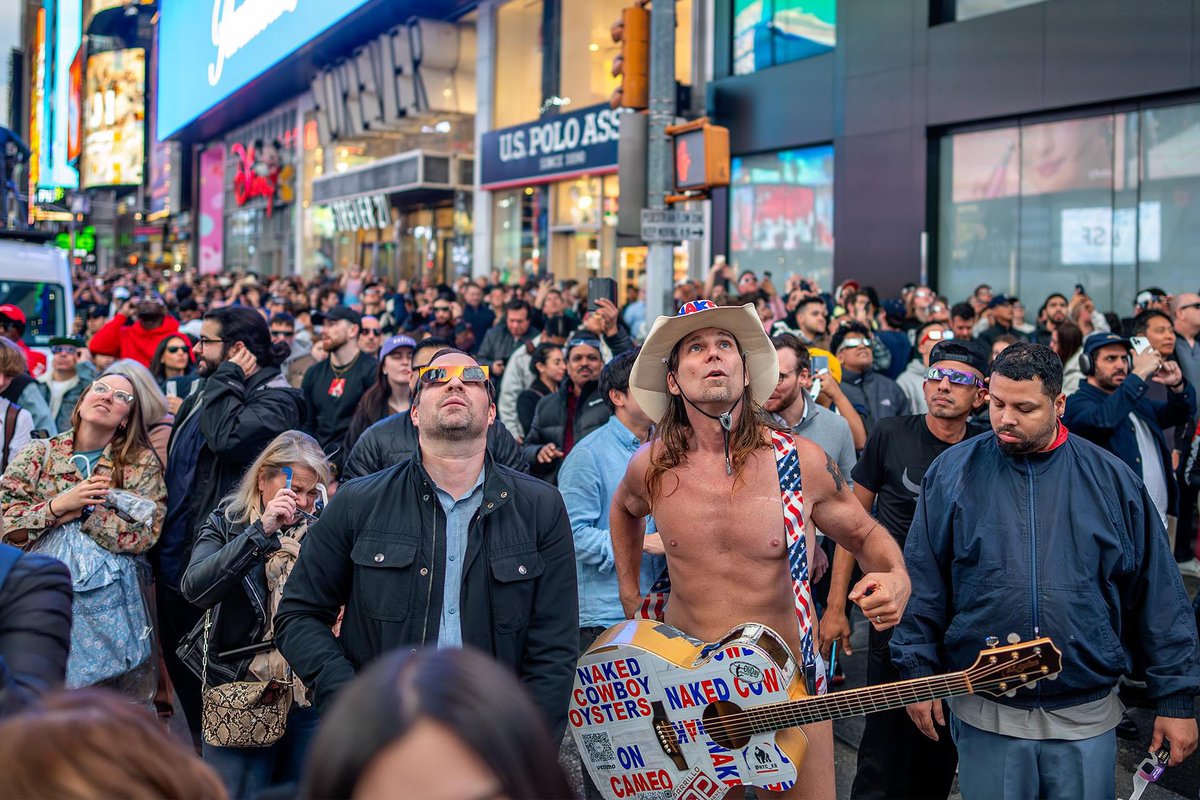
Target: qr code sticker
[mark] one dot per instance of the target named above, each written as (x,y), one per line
(599,750)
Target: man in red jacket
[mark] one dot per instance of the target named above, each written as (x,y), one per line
(138,340)
(12,326)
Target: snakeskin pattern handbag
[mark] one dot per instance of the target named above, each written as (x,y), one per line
(242,713)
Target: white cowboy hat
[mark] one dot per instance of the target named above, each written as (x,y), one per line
(648,380)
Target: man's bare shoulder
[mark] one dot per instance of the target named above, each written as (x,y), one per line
(639,466)
(818,470)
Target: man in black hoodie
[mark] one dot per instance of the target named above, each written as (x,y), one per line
(244,403)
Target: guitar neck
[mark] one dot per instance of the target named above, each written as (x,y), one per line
(856,702)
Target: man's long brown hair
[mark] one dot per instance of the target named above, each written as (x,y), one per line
(672,438)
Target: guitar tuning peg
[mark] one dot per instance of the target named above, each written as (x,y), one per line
(991,641)
(1052,677)
(1013,638)
(1013,693)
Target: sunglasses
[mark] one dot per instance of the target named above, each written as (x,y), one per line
(103,390)
(1191,305)
(467,373)
(954,376)
(177,348)
(937,336)
(854,341)
(282,334)
(64,348)
(371,331)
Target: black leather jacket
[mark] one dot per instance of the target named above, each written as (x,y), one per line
(379,550)
(550,424)
(226,574)
(394,439)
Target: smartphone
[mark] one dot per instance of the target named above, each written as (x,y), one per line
(1079,289)
(172,388)
(601,288)
(1140,344)
(819,365)
(287,474)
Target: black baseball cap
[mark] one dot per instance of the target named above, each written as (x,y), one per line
(343,312)
(971,352)
(1103,339)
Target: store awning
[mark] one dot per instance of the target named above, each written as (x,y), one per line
(417,174)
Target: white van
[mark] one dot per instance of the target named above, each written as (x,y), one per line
(35,276)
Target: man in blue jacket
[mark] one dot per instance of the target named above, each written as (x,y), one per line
(1113,410)
(1036,532)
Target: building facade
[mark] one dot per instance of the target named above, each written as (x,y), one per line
(1030,144)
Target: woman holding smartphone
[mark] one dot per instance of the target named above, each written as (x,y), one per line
(237,572)
(174,370)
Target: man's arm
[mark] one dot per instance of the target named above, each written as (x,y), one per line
(582,490)
(504,447)
(627,527)
(35,631)
(883,592)
(512,383)
(1164,631)
(552,644)
(835,625)
(1085,413)
(313,596)
(832,392)
(236,429)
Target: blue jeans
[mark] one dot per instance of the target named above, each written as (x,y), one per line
(991,765)
(247,771)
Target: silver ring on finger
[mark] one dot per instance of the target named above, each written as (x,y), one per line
(878,619)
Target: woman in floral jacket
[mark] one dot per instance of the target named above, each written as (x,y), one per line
(48,484)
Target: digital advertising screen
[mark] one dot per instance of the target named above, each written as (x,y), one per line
(218,46)
(114,124)
(770,32)
(75,109)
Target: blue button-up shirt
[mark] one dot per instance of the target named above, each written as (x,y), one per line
(589,476)
(459,514)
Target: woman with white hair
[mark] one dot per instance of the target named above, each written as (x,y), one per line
(238,568)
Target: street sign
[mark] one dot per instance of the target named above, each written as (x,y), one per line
(669,225)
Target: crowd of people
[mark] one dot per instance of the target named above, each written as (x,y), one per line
(246,499)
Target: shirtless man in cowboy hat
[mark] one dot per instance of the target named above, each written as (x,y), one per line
(709,477)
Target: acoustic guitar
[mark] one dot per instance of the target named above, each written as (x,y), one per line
(658,715)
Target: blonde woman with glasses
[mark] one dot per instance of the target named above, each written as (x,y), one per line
(238,569)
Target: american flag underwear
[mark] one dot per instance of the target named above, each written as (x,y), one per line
(787,463)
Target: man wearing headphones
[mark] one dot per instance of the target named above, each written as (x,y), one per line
(1112,410)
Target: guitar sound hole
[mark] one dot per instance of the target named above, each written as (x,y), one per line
(727,725)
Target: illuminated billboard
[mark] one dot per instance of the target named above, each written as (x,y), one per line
(75,109)
(67,36)
(227,45)
(114,124)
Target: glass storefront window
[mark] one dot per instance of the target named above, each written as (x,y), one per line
(518,63)
(519,227)
(771,32)
(781,213)
(588,49)
(1102,201)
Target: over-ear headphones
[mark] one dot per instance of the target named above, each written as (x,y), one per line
(1087,364)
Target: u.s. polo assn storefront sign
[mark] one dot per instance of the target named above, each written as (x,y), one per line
(551,149)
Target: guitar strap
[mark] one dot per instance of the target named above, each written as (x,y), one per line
(787,464)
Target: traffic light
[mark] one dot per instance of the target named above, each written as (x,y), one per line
(632,32)
(701,155)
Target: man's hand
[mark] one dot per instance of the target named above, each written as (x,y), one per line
(1181,733)
(654,545)
(834,627)
(882,597)
(549,453)
(497,368)
(924,715)
(609,313)
(244,359)
(1146,363)
(818,567)
(1169,375)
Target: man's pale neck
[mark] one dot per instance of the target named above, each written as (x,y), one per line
(64,375)
(710,436)
(453,466)
(345,354)
(794,414)
(947,430)
(641,431)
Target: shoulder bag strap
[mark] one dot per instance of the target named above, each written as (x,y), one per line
(10,428)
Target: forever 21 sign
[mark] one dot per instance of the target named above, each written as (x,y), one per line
(538,152)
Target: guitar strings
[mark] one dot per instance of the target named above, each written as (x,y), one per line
(891,695)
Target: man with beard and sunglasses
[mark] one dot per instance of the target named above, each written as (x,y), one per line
(887,478)
(446,549)
(1033,531)
(243,403)
(726,495)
